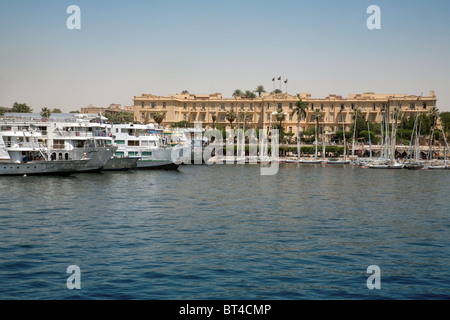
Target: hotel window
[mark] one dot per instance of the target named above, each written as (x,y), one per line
(268,106)
(331,117)
(203,117)
(232,106)
(280,106)
(290,117)
(222,106)
(424,105)
(153,105)
(321,107)
(332,107)
(291,105)
(312,107)
(342,107)
(184,106)
(268,117)
(242,106)
(353,106)
(290,129)
(374,107)
(412,106)
(142,115)
(164,105)
(194,106)
(222,117)
(311,119)
(251,106)
(194,117)
(342,118)
(184,117)
(203,106)
(142,104)
(213,106)
(250,118)
(259,105)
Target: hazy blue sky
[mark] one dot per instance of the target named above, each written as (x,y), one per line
(126,48)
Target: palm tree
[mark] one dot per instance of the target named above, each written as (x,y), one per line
(433,114)
(300,110)
(238,93)
(317,116)
(46,113)
(214,118)
(230,116)
(158,117)
(281,116)
(184,92)
(259,90)
(249,94)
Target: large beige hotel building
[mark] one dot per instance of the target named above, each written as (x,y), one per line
(338,111)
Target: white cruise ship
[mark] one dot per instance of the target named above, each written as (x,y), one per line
(23,154)
(144,142)
(64,138)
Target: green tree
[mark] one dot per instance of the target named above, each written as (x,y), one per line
(46,113)
(249,94)
(184,92)
(21,108)
(181,124)
(2,111)
(445,120)
(214,119)
(280,116)
(300,110)
(120,117)
(158,117)
(230,116)
(238,93)
(259,90)
(56,110)
(277,91)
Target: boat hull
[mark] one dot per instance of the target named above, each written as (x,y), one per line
(37,168)
(120,164)
(143,164)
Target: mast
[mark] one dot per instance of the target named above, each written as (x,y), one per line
(370,140)
(345,142)
(323,145)
(315,128)
(354,135)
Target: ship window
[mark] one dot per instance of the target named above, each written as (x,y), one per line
(120,154)
(132,154)
(132,143)
(146,153)
(120,141)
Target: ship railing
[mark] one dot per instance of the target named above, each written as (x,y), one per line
(28,145)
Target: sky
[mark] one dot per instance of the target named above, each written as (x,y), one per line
(128,48)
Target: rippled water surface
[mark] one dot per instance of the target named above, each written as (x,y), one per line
(226,232)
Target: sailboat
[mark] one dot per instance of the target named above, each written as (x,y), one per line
(316,160)
(339,160)
(440,165)
(414,164)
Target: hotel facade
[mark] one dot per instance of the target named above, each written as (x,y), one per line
(338,111)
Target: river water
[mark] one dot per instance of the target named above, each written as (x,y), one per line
(227,232)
